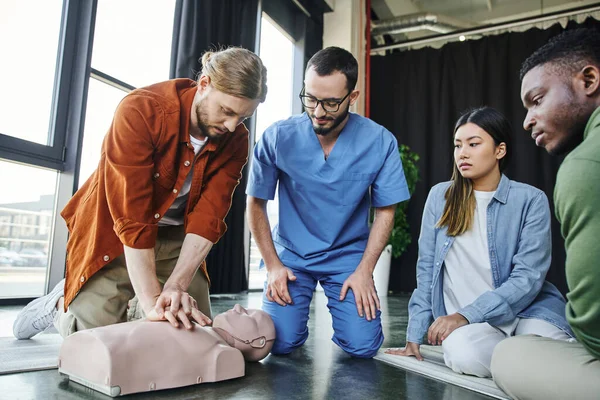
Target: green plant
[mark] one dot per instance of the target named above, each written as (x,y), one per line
(400,237)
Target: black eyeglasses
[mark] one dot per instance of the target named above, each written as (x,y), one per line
(328,105)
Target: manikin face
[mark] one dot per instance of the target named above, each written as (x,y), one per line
(475,152)
(556,114)
(215,114)
(251,331)
(331,88)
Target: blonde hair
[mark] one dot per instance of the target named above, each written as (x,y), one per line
(237,72)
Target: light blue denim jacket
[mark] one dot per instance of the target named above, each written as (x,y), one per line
(520,247)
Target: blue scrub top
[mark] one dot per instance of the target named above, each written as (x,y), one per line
(324,204)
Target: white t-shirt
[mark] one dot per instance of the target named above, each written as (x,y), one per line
(468,271)
(175,213)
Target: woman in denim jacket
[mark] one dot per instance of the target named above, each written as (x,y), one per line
(484,251)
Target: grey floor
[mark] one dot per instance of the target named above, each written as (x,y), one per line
(318,370)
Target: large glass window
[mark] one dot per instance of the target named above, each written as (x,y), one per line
(277,53)
(29,33)
(132,45)
(102,101)
(26,217)
(132,40)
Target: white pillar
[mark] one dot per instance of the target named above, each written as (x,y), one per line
(345,28)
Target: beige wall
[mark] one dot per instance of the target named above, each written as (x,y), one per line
(345,27)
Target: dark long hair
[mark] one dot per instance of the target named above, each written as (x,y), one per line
(459,210)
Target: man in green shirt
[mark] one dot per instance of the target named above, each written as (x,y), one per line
(561,91)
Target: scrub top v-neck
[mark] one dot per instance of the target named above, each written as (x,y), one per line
(324,203)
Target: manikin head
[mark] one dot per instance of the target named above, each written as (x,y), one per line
(230,87)
(250,331)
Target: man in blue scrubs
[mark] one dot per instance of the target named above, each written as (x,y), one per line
(331,166)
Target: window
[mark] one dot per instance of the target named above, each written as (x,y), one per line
(33,41)
(277,53)
(101,104)
(47,46)
(132,48)
(29,37)
(132,40)
(26,215)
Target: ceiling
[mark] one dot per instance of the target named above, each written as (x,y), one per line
(458,14)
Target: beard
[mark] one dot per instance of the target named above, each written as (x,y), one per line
(201,117)
(573,138)
(324,131)
(573,119)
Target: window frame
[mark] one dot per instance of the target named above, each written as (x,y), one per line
(66,123)
(292,20)
(75,30)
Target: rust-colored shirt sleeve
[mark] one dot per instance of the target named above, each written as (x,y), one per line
(207,217)
(129,147)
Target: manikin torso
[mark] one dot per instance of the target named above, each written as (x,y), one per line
(143,356)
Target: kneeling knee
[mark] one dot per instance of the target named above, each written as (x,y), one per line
(462,357)
(286,343)
(360,347)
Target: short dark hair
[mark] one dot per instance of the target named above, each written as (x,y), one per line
(331,59)
(567,51)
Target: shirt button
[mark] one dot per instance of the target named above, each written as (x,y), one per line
(187,163)
(174,190)
(156,175)
(446,244)
(106,258)
(82,279)
(157,215)
(437,263)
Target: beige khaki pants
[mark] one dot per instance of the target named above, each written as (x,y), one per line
(104,299)
(469,349)
(533,367)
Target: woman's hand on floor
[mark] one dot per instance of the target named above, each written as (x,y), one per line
(411,349)
(442,327)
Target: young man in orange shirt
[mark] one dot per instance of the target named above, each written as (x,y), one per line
(143,223)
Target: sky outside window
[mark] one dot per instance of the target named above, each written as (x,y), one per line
(29,33)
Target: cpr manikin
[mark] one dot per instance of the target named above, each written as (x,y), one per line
(142,355)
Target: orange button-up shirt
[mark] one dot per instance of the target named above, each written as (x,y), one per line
(146,157)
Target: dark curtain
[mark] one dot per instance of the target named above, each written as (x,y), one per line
(201,25)
(313,39)
(419,95)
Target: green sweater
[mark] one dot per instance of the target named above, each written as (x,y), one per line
(577,202)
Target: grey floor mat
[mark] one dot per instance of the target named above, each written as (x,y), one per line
(433,366)
(38,353)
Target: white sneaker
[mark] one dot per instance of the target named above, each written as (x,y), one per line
(38,315)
